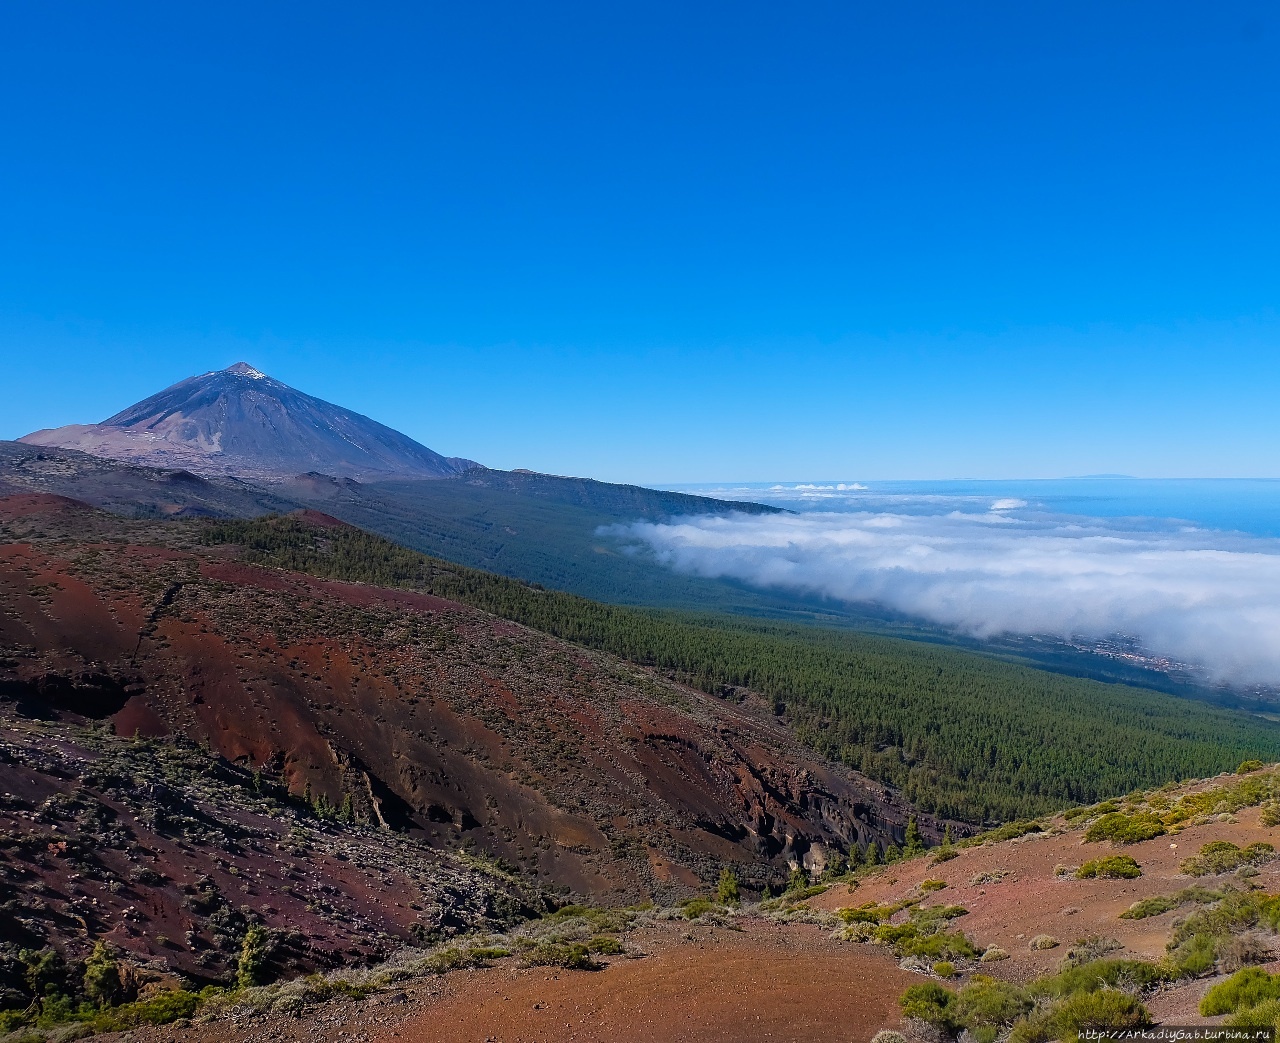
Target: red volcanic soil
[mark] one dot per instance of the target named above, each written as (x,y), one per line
(711,985)
(1013,894)
(425,715)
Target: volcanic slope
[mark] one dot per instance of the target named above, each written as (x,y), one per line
(960,734)
(239,421)
(169,855)
(465,729)
(1158,907)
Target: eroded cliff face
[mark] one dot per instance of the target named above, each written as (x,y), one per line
(420,715)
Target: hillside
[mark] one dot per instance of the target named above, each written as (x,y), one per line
(416,711)
(962,735)
(239,421)
(1161,908)
(541,529)
(130,490)
(244,751)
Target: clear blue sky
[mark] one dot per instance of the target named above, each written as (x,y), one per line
(664,242)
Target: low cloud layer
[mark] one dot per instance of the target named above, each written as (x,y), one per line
(1204,597)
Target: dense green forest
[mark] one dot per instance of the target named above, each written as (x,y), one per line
(961,734)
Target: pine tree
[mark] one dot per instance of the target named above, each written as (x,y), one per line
(727,890)
(102,976)
(253,956)
(914,844)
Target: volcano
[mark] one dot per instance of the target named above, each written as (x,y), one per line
(239,421)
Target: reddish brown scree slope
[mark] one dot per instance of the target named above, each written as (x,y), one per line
(463,728)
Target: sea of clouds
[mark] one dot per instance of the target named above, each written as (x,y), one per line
(1205,597)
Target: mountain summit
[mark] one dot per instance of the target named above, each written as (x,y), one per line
(239,421)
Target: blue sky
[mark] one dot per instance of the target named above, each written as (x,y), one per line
(661,242)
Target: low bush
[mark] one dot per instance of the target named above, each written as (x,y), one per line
(1115,867)
(1222,856)
(1264,1016)
(931,1003)
(570,955)
(1104,1009)
(1158,904)
(1120,828)
(1237,912)
(1135,975)
(1194,956)
(1009,831)
(159,1010)
(696,907)
(1098,995)
(1243,950)
(986,1002)
(1246,988)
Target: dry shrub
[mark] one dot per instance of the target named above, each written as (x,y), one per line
(1244,950)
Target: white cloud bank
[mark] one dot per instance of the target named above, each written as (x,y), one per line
(1204,597)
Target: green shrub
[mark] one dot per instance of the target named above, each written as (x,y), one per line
(1099,974)
(1194,956)
(932,885)
(1222,856)
(1246,988)
(1009,831)
(485,953)
(570,955)
(1237,911)
(102,977)
(1264,1016)
(605,945)
(1104,1009)
(1115,867)
(1120,828)
(696,907)
(984,1001)
(254,949)
(931,1003)
(944,969)
(944,945)
(159,1010)
(1153,906)
(1248,766)
(1158,904)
